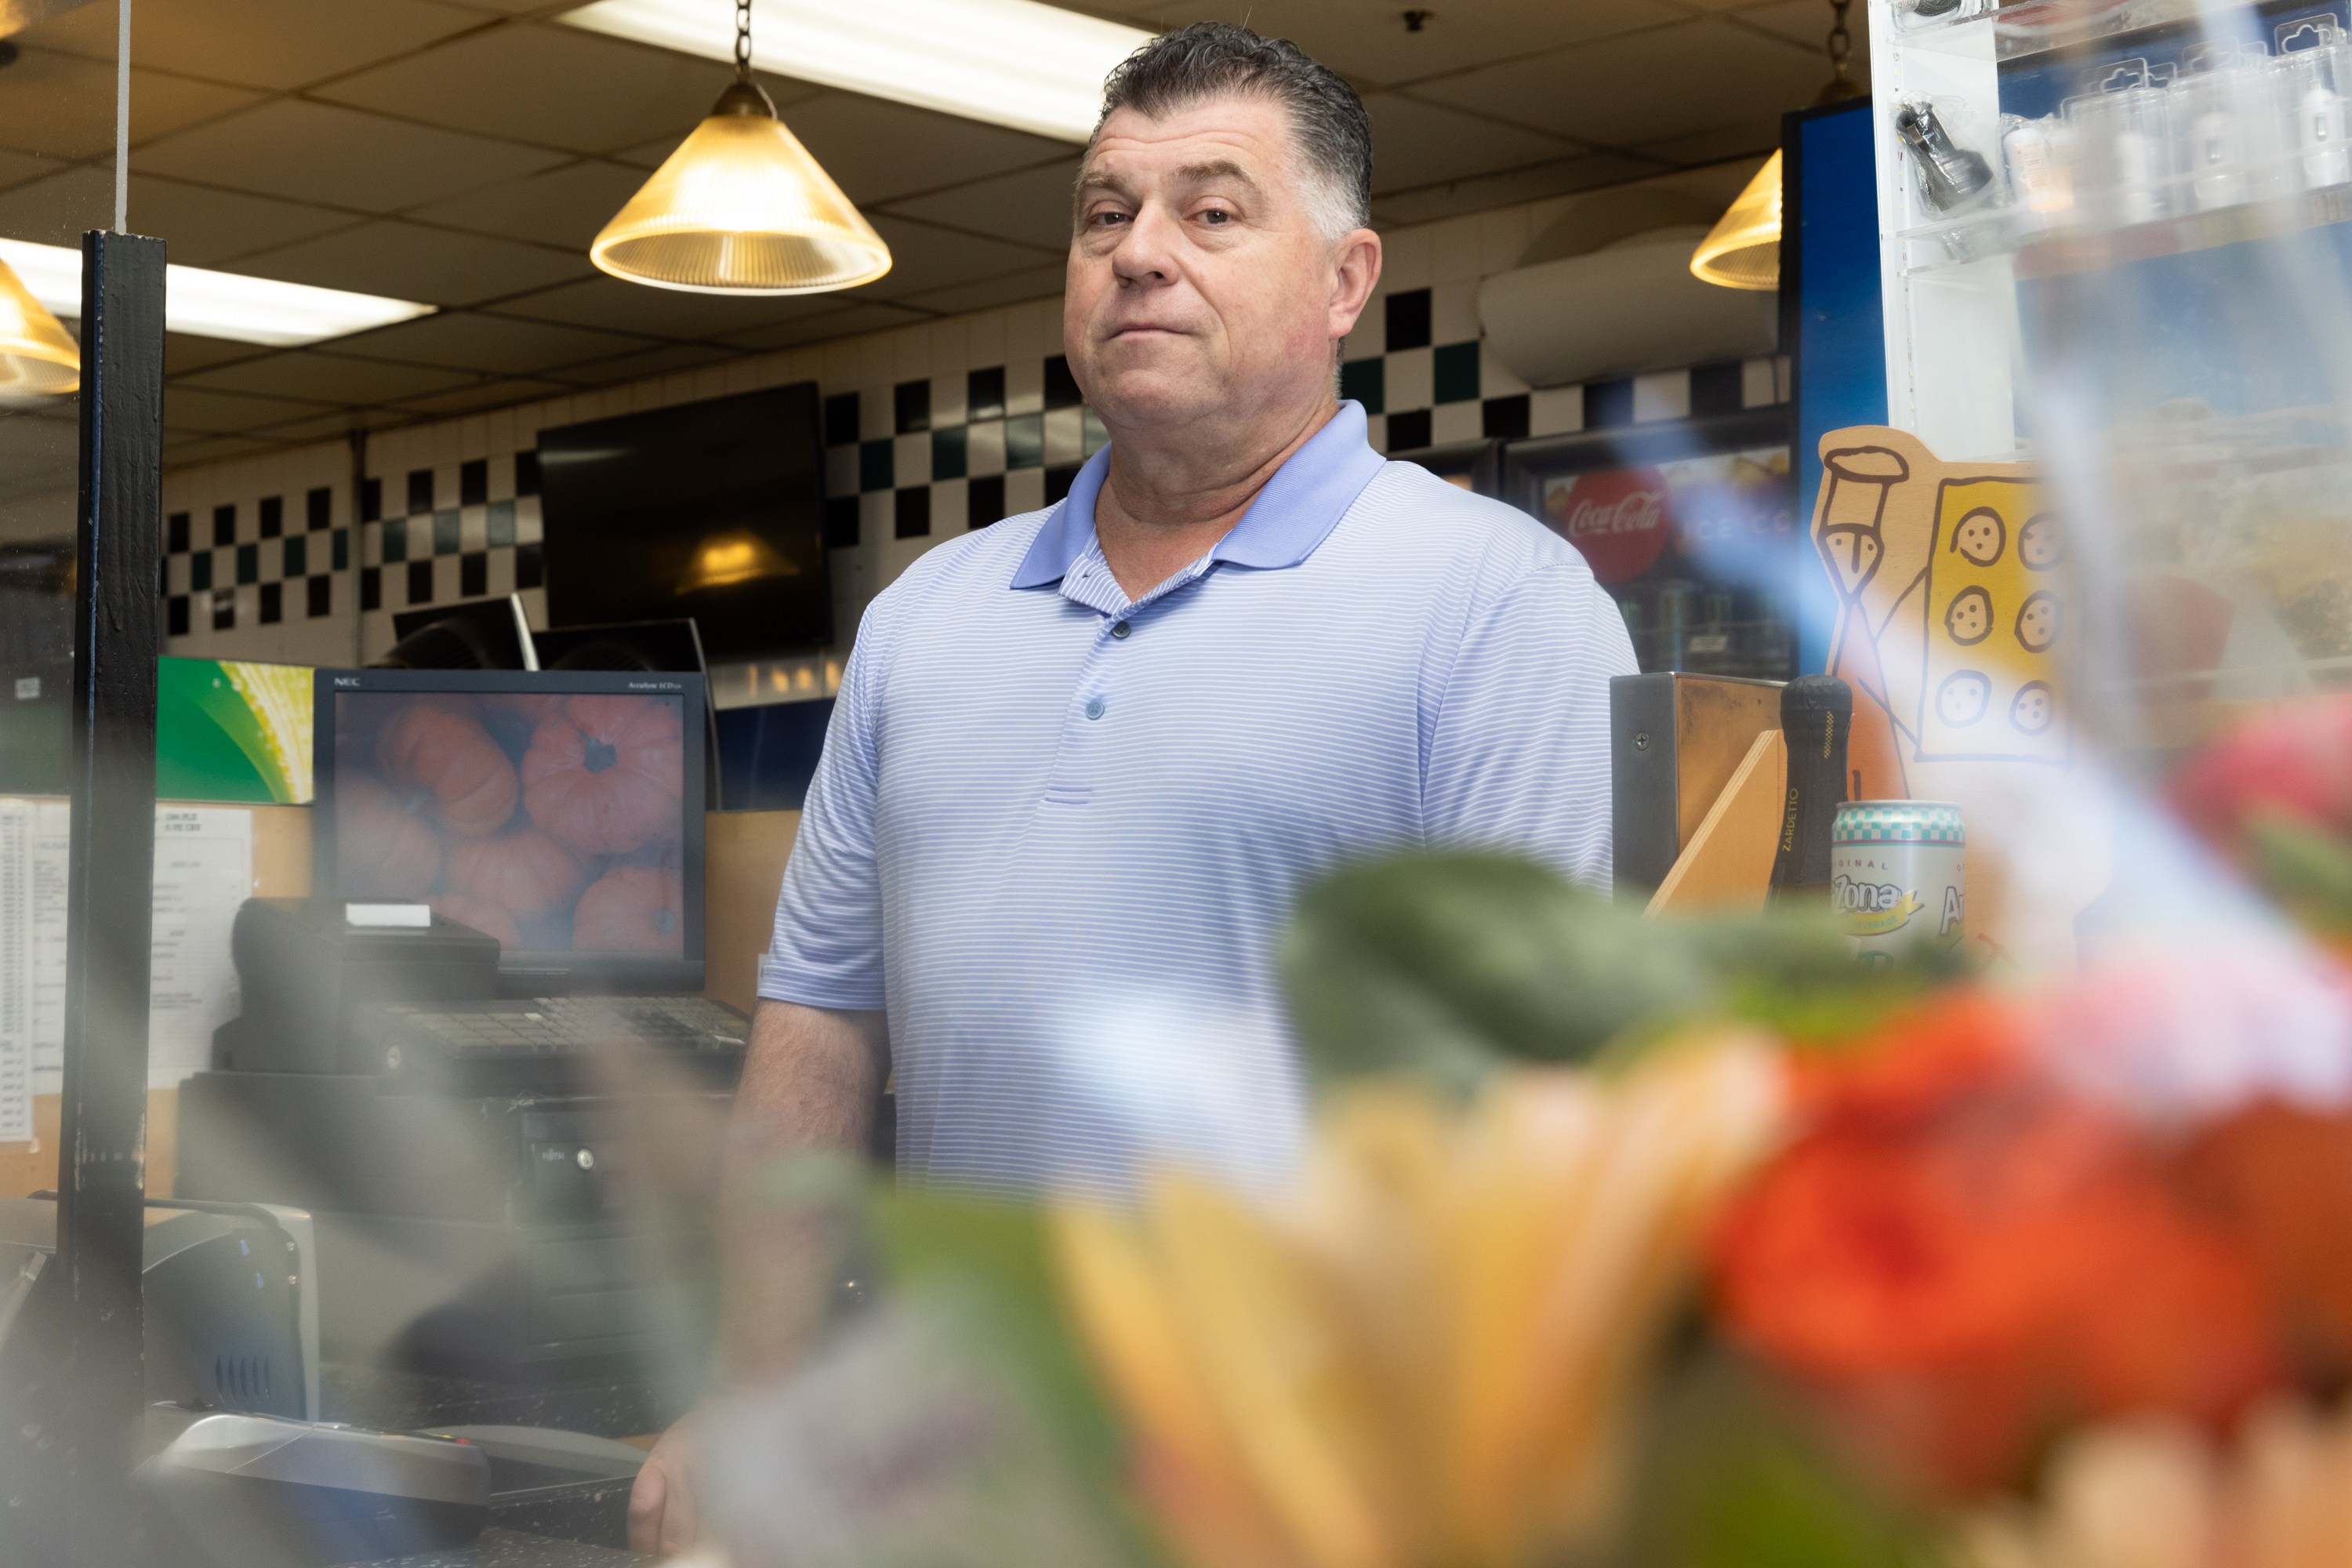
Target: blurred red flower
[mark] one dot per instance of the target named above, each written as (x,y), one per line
(1962,1252)
(2295,759)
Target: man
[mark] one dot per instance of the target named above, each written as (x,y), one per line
(1081,761)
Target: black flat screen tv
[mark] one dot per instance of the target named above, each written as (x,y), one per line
(713,510)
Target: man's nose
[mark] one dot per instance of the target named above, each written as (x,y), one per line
(1144,258)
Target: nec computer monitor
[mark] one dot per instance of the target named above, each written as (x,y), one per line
(559,811)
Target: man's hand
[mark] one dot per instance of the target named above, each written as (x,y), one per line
(810,1081)
(662,1520)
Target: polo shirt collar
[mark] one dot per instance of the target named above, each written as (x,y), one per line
(1294,513)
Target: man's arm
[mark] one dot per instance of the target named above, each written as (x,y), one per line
(811,1078)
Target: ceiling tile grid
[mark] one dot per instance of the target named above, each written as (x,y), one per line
(463,152)
(931,429)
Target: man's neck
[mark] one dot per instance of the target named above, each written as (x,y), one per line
(1164,505)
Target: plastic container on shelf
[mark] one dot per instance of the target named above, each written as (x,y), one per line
(2313,79)
(2126,142)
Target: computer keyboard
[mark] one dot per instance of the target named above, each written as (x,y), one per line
(543,1043)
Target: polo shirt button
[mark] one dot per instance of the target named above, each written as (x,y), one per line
(1121,630)
(1094,708)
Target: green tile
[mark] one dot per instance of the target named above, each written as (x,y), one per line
(297,556)
(200,572)
(1456,373)
(342,549)
(445,529)
(395,540)
(1024,441)
(1366,381)
(948,462)
(248,564)
(877,466)
(501,524)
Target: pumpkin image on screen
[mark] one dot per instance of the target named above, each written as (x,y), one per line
(489,918)
(632,908)
(602,778)
(452,760)
(521,869)
(382,851)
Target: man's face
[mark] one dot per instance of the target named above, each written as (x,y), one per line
(1199,282)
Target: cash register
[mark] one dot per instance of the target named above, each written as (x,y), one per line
(440,1052)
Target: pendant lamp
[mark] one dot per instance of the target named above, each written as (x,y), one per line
(741,208)
(1743,249)
(38,358)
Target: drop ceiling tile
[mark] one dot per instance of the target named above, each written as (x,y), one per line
(188,407)
(1456,197)
(183,354)
(271,44)
(467,340)
(877,151)
(63,107)
(846,320)
(409,261)
(1416,145)
(1039,283)
(1030,206)
(1626,92)
(543,84)
(604,301)
(566,206)
(1757,135)
(503,393)
(16,168)
(56,211)
(202,226)
(1806,24)
(339,157)
(328,378)
(1369,41)
(668,360)
(923,258)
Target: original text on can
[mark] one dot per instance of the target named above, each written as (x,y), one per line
(1895,874)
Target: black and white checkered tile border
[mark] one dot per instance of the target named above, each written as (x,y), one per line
(903,460)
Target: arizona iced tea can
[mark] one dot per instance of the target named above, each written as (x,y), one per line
(1895,874)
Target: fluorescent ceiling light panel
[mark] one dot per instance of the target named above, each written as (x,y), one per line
(208,304)
(1010,62)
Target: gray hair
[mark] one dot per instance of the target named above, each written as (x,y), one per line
(1216,59)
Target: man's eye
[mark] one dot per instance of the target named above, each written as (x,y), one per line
(1105,219)
(1216,215)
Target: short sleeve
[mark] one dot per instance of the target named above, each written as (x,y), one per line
(827,947)
(1518,758)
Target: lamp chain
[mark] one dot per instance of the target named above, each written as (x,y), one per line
(1841,85)
(743,38)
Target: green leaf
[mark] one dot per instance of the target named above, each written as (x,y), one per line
(1446,963)
(1733,1474)
(2305,866)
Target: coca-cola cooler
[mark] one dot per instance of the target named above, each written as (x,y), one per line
(1690,525)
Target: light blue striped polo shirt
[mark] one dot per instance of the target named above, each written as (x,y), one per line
(1056,834)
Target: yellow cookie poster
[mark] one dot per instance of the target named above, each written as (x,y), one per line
(1992,684)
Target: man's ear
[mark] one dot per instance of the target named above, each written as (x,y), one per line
(1355,273)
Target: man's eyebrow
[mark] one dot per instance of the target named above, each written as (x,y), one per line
(1222,169)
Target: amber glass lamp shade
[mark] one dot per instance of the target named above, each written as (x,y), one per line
(741,208)
(1743,249)
(38,358)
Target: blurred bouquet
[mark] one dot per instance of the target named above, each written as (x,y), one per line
(2274,796)
(1677,1244)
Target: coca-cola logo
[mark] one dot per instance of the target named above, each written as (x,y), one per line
(1618,520)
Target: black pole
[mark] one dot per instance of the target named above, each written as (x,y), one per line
(110,886)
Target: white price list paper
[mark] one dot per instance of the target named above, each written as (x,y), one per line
(203,871)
